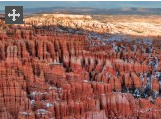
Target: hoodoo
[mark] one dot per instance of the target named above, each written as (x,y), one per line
(78,69)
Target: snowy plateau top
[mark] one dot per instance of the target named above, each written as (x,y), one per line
(102,23)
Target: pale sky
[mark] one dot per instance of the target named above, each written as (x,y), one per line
(92,4)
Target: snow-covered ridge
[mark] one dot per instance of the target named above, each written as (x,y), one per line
(88,23)
(68,16)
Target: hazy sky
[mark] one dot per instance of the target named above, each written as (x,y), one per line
(94,4)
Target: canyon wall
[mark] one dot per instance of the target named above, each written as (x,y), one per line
(51,75)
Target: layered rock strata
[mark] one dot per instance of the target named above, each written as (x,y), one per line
(50,75)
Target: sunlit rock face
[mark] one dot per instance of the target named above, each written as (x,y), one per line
(50,74)
(122,24)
